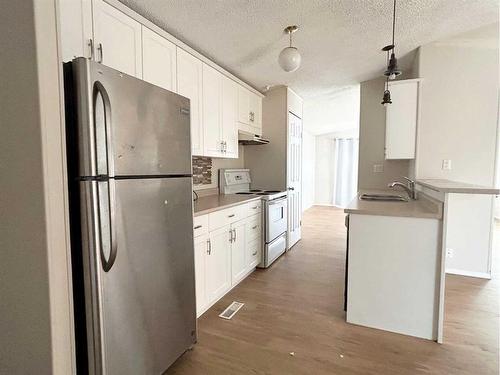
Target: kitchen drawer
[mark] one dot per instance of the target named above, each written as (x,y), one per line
(254,228)
(200,225)
(254,251)
(227,216)
(254,207)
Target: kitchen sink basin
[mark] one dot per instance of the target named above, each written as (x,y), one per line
(383,197)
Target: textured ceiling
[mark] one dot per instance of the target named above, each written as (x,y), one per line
(339,40)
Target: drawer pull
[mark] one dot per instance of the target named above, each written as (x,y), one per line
(254,254)
(232,215)
(198,226)
(254,207)
(255,226)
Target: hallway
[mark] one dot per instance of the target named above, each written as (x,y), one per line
(293,321)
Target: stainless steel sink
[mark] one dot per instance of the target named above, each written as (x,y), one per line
(383,197)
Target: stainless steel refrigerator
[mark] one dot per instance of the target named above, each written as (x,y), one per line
(129,166)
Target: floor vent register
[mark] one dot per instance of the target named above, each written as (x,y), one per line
(231,310)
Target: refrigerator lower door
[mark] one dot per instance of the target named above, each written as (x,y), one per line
(147,296)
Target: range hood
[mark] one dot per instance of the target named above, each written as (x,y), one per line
(246,138)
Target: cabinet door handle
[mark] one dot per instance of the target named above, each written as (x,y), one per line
(254,207)
(231,235)
(198,226)
(90,44)
(101,53)
(232,215)
(255,226)
(209,247)
(234,231)
(254,254)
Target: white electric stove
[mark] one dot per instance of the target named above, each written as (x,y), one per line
(274,211)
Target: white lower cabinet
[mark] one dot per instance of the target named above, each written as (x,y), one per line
(201,247)
(218,264)
(228,247)
(238,256)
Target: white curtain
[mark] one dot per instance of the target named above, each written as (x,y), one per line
(346,171)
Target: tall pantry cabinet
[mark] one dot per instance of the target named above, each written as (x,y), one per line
(278,165)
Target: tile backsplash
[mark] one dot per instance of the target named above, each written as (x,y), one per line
(202,170)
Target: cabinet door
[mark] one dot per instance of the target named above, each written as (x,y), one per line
(243,105)
(229,117)
(256,111)
(189,84)
(218,264)
(117,39)
(159,62)
(75,21)
(212,111)
(294,179)
(401,120)
(201,247)
(238,256)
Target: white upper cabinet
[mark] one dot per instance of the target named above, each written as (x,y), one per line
(189,84)
(212,112)
(249,111)
(75,29)
(229,118)
(401,120)
(159,61)
(117,39)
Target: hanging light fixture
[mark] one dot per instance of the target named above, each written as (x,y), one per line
(392,70)
(289,58)
(387,94)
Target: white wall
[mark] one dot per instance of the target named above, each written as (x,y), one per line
(308,169)
(459,107)
(35,302)
(324,170)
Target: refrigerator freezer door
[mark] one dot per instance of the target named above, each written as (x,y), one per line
(147,297)
(146,127)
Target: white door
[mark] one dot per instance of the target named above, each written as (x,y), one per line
(238,257)
(212,112)
(117,39)
(294,179)
(75,21)
(201,247)
(159,62)
(189,84)
(218,264)
(229,117)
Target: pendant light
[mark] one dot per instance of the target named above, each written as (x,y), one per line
(289,58)
(387,94)
(392,70)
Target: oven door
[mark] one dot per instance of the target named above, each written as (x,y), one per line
(276,218)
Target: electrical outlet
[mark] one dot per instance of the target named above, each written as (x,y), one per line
(446,166)
(449,253)
(378,168)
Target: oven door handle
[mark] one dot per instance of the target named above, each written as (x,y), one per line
(277,201)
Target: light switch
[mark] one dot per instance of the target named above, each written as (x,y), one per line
(446,164)
(378,168)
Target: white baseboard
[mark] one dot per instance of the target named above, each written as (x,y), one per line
(480,275)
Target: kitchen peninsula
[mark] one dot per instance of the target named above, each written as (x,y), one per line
(394,258)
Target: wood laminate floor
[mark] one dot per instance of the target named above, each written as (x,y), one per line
(293,321)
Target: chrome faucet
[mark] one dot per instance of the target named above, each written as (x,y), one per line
(409,187)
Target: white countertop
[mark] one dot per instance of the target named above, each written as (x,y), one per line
(422,208)
(211,203)
(448,186)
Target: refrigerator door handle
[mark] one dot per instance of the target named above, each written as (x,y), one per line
(112,219)
(109,170)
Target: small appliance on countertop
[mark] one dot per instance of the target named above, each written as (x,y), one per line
(274,212)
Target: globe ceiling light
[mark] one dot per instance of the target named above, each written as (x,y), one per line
(289,58)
